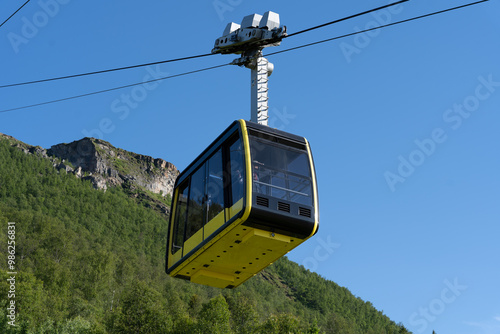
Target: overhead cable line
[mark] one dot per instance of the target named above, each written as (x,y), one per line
(106,71)
(345,18)
(210,54)
(191,57)
(115,88)
(14,13)
(375,28)
(214,67)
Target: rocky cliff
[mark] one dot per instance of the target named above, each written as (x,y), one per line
(111,166)
(107,166)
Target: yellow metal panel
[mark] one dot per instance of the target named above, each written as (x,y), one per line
(176,257)
(217,280)
(265,234)
(214,224)
(236,208)
(194,241)
(237,256)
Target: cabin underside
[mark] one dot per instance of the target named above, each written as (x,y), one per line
(236,256)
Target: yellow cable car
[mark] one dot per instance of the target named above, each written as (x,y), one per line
(247,200)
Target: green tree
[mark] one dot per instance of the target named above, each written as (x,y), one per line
(313,328)
(214,317)
(195,305)
(31,300)
(244,317)
(283,323)
(339,325)
(77,325)
(142,312)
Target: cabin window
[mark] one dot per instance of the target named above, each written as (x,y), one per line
(215,186)
(237,168)
(202,196)
(196,205)
(180,217)
(281,171)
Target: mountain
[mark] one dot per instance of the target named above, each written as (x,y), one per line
(107,166)
(110,166)
(87,225)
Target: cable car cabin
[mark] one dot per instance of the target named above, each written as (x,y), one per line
(247,200)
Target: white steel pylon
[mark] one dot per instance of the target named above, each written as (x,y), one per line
(260,75)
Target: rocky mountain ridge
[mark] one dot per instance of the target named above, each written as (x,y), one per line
(107,166)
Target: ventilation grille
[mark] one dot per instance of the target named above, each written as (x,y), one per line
(283,206)
(305,212)
(262,201)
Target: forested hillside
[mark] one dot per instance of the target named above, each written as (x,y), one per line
(92,261)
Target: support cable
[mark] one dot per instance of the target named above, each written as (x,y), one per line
(209,54)
(191,57)
(14,13)
(375,28)
(106,71)
(115,88)
(218,66)
(345,18)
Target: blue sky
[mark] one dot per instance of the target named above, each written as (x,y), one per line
(403,124)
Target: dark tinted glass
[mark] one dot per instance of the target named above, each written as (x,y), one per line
(281,171)
(196,205)
(237,168)
(215,186)
(180,217)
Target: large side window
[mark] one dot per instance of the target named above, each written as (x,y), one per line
(300,186)
(180,217)
(197,202)
(215,186)
(237,168)
(203,195)
(281,171)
